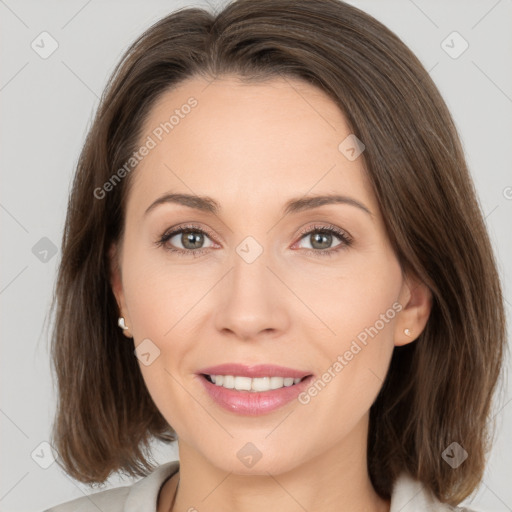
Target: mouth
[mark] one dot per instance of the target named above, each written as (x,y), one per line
(253,390)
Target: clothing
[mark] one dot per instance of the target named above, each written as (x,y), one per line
(408,496)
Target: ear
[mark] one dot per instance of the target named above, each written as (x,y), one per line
(116,284)
(416,300)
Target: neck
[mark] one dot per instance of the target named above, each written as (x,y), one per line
(334,481)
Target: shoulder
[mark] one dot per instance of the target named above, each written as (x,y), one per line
(410,495)
(142,494)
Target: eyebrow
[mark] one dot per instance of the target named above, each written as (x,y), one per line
(295,205)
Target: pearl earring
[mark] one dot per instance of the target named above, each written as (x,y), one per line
(122,323)
(407,332)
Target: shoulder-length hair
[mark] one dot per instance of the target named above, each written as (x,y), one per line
(438,389)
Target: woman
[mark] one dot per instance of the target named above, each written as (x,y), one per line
(274,255)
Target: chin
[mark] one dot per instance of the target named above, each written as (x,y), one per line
(249,460)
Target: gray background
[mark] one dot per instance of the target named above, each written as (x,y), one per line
(47,107)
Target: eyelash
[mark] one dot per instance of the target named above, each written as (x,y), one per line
(346,240)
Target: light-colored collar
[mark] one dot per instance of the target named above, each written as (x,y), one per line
(410,495)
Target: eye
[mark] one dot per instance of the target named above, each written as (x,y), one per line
(321,237)
(190,237)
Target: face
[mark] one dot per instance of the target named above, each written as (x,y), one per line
(315,288)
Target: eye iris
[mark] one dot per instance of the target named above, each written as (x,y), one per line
(319,237)
(190,236)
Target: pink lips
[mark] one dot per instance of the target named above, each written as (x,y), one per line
(250,403)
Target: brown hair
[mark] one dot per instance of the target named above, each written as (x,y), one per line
(439,388)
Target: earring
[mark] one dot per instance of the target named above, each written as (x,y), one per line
(407,332)
(121,323)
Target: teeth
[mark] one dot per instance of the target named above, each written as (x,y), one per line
(257,384)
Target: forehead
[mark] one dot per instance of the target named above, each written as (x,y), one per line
(251,142)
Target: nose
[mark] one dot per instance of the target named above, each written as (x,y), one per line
(252,301)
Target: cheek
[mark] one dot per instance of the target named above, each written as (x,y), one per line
(355,363)
(159,294)
(355,300)
(358,310)
(161,299)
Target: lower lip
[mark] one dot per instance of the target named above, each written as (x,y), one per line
(253,403)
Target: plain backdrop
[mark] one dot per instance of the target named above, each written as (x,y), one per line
(47,107)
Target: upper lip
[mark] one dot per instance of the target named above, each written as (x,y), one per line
(253,371)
